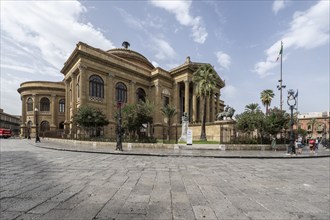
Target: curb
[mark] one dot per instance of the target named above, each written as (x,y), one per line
(181,155)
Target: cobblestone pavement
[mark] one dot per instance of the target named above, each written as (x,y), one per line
(39,183)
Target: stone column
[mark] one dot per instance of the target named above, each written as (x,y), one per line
(53,112)
(74,92)
(67,106)
(158,102)
(110,96)
(176,101)
(194,106)
(186,96)
(35,105)
(24,110)
(23,125)
(84,92)
(132,93)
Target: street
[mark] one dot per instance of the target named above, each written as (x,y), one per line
(41,183)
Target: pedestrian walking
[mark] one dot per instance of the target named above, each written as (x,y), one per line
(300,145)
(311,145)
(274,147)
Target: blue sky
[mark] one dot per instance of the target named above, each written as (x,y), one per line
(241,39)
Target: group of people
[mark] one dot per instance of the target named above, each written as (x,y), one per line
(299,144)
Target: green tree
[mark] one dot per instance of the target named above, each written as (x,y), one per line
(266,97)
(136,116)
(251,120)
(205,79)
(168,112)
(89,117)
(276,121)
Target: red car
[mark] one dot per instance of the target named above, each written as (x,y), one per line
(5,133)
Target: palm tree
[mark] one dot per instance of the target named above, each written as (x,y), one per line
(205,79)
(266,97)
(253,107)
(169,112)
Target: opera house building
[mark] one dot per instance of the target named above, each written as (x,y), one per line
(97,78)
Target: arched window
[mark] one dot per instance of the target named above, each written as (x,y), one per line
(140,95)
(62,105)
(44,104)
(44,126)
(96,86)
(121,92)
(29,104)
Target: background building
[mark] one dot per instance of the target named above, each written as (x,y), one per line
(43,103)
(315,123)
(11,122)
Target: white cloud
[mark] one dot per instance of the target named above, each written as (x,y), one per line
(155,63)
(278,5)
(181,10)
(163,49)
(308,29)
(36,39)
(52,28)
(223,59)
(229,92)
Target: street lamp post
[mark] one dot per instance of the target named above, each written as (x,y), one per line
(292,103)
(119,129)
(37,130)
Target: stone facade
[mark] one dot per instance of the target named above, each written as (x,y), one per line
(11,122)
(101,78)
(315,123)
(43,105)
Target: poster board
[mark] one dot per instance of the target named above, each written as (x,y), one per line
(189,137)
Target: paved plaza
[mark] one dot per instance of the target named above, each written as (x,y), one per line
(39,183)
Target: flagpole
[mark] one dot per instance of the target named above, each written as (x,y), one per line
(281,100)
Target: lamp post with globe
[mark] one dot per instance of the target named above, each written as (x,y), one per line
(292,103)
(37,125)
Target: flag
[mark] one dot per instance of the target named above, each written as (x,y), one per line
(281,52)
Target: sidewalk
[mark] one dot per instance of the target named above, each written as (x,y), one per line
(211,151)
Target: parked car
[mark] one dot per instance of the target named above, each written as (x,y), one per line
(5,133)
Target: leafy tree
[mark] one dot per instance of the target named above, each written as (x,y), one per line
(276,121)
(266,97)
(135,116)
(169,112)
(252,119)
(205,79)
(88,117)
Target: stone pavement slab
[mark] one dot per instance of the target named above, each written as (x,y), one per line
(39,183)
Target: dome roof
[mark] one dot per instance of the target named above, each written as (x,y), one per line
(132,56)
